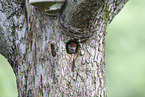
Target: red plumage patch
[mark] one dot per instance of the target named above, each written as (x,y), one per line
(74,44)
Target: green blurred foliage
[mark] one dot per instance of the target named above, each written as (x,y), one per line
(7,79)
(125,52)
(125,56)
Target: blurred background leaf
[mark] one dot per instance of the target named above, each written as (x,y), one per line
(7,79)
(125,52)
(125,56)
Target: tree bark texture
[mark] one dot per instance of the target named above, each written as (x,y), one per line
(35,46)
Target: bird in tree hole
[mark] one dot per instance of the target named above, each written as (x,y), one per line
(72,48)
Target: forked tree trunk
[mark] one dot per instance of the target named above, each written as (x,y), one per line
(35,46)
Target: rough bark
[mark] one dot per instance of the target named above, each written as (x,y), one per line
(35,46)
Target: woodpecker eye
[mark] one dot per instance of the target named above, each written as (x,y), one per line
(72,47)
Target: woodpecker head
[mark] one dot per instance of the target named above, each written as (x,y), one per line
(72,47)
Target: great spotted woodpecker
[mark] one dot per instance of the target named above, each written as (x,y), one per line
(72,47)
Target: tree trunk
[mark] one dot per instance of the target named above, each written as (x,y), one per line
(35,46)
